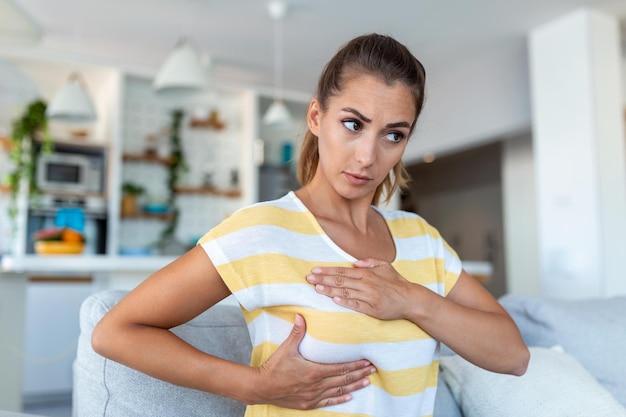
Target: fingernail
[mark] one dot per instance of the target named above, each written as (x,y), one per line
(298,319)
(366,382)
(316,270)
(310,278)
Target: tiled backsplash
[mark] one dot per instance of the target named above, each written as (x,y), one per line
(211,155)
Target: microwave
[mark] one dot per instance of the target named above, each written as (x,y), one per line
(69,172)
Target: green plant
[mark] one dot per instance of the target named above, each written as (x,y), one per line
(132,188)
(32,125)
(176,168)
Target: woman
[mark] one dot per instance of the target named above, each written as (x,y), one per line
(346,304)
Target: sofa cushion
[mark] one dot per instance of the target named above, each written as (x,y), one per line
(445,403)
(591,330)
(555,385)
(106,388)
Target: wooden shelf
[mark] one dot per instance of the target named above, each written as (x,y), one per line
(224,192)
(6,144)
(147,158)
(149,216)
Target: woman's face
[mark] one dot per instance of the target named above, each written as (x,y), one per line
(362,135)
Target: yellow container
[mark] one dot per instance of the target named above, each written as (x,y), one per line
(56,247)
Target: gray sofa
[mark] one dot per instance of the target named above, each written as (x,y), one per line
(592,334)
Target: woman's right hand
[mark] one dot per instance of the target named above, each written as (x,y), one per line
(288,380)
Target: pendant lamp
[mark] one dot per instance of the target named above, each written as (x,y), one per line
(277,114)
(182,70)
(72,103)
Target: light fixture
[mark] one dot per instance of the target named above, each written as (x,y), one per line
(182,70)
(72,103)
(277,114)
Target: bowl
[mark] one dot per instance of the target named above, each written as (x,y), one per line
(156,208)
(57,247)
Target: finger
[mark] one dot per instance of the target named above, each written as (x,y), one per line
(353,304)
(336,290)
(297,333)
(339,271)
(342,386)
(336,280)
(360,368)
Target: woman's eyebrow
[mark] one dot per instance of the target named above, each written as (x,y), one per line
(399,124)
(368,120)
(357,114)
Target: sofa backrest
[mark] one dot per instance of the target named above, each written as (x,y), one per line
(593,330)
(106,388)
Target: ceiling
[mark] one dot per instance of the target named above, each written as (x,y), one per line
(238,34)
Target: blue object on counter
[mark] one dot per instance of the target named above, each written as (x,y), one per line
(156,208)
(287,153)
(72,217)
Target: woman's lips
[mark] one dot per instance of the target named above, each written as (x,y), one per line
(357,179)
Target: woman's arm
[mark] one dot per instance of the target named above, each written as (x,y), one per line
(136,333)
(469,320)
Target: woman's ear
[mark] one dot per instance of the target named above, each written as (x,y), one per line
(313,117)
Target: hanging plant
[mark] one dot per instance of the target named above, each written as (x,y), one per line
(176,168)
(27,129)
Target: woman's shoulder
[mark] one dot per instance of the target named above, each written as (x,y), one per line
(393,215)
(407,223)
(261,219)
(288,202)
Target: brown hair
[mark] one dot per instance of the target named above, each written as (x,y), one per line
(380,56)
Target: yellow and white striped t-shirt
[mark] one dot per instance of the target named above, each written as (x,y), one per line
(264,252)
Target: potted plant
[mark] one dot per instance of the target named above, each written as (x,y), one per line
(130,194)
(31,126)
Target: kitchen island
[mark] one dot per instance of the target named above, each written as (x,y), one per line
(99,272)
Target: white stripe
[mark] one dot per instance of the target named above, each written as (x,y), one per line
(301,295)
(264,239)
(385,356)
(375,402)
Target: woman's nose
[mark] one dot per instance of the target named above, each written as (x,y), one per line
(365,152)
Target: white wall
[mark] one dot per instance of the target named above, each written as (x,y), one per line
(578,142)
(474,101)
(520,216)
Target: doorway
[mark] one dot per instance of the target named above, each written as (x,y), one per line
(461,195)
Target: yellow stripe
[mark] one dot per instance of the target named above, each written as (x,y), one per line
(348,328)
(299,222)
(422,272)
(398,383)
(405,227)
(407,381)
(283,269)
(269,269)
(262,352)
(265,411)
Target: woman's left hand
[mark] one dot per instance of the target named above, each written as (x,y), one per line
(372,287)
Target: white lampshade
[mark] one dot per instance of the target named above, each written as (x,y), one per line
(72,103)
(277,114)
(182,70)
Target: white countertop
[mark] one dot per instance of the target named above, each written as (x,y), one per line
(83,263)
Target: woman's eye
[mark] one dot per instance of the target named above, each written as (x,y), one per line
(394,137)
(353,125)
